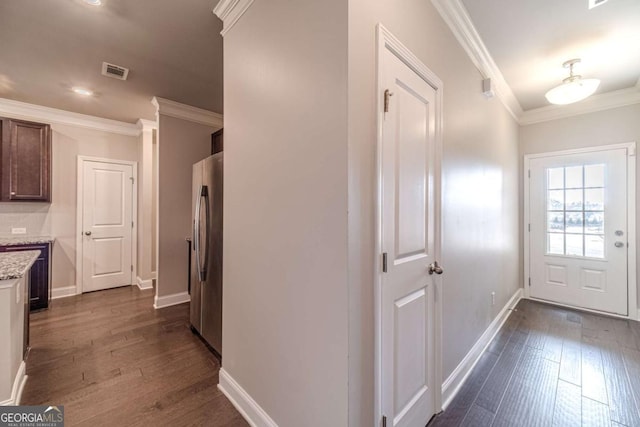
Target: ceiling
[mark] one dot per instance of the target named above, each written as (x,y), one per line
(172,48)
(529,40)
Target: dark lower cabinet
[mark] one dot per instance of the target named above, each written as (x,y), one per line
(40,275)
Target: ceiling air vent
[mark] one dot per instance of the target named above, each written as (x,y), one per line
(594,3)
(115,71)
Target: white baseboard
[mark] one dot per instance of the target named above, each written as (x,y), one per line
(451,385)
(144,284)
(244,403)
(68,291)
(169,300)
(18,386)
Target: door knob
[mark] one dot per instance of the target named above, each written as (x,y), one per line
(88,233)
(435,268)
(618,244)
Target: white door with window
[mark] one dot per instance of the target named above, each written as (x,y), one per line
(408,241)
(107,223)
(578,230)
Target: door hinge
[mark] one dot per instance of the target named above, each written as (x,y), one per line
(529,227)
(529,173)
(132,179)
(387,95)
(384,262)
(131,224)
(132,268)
(529,281)
(384,421)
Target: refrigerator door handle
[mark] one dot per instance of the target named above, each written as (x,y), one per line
(207,234)
(197,244)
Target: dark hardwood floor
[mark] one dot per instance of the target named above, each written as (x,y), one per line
(550,366)
(112,360)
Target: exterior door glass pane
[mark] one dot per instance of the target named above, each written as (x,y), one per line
(576,211)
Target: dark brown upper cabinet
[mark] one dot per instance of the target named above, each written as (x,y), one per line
(26,161)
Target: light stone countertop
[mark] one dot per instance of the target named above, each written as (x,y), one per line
(14,265)
(25,240)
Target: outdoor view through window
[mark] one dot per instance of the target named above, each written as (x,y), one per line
(575,211)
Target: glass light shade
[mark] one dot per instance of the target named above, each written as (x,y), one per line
(572,91)
(82,91)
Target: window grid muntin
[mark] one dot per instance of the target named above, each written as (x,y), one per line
(564,211)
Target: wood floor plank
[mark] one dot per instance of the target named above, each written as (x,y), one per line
(571,362)
(458,408)
(593,384)
(496,384)
(552,347)
(111,359)
(594,414)
(504,335)
(595,369)
(631,359)
(530,396)
(568,405)
(478,417)
(621,401)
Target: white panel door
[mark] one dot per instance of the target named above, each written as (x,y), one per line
(408,240)
(578,238)
(106,225)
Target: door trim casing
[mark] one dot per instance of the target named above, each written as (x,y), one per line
(632,286)
(386,40)
(80,204)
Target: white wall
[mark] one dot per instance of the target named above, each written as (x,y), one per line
(58,219)
(181,143)
(285,210)
(480,241)
(587,130)
(146,248)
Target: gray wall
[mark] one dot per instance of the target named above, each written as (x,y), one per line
(613,126)
(180,144)
(285,209)
(480,193)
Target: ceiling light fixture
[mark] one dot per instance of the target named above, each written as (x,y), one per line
(594,3)
(93,2)
(82,91)
(574,88)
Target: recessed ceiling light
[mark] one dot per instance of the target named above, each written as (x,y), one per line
(94,2)
(82,91)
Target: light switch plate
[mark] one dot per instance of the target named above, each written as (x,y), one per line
(18,231)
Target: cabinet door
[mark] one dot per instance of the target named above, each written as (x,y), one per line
(39,283)
(26,161)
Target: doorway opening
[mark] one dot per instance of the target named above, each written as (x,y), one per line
(580,237)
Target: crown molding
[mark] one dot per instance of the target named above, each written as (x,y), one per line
(146,124)
(455,15)
(175,109)
(457,18)
(230,11)
(23,110)
(600,102)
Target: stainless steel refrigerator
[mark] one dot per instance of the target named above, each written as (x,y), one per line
(206,259)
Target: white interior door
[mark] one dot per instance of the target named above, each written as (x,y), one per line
(106,225)
(408,241)
(578,238)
